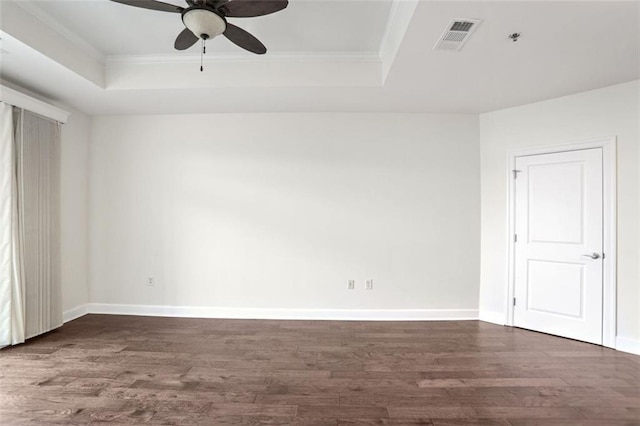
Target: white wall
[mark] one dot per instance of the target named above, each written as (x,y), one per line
(280,210)
(612,111)
(74,199)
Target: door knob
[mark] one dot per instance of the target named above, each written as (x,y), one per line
(593,255)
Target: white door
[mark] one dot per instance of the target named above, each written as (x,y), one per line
(559,241)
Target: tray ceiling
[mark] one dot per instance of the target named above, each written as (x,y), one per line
(305,26)
(325,55)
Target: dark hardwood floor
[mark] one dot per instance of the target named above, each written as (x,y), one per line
(134,370)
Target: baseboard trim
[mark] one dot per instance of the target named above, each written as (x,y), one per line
(492,317)
(623,344)
(285,314)
(74,313)
(626,344)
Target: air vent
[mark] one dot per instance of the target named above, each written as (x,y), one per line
(456,34)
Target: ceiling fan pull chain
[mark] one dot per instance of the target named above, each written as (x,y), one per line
(204,50)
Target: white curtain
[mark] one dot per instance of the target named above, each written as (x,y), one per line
(30,297)
(11,313)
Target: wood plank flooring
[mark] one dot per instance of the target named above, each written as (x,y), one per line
(178,371)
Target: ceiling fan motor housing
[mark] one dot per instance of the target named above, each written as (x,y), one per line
(205,23)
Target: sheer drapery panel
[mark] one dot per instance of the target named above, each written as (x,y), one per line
(31,299)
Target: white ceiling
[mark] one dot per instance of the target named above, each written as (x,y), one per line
(565,48)
(304,26)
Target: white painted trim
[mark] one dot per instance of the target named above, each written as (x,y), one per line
(609,172)
(610,243)
(74,313)
(275,57)
(397,24)
(61,29)
(511,230)
(492,317)
(626,344)
(622,343)
(285,314)
(20,100)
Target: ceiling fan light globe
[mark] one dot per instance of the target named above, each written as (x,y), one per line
(204,23)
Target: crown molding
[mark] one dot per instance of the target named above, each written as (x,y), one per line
(275,57)
(308,56)
(61,29)
(399,19)
(26,32)
(166,71)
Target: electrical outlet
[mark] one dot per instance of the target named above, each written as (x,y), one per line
(351,285)
(369,285)
(151,281)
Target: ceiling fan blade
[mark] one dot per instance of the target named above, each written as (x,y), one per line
(251,8)
(152,4)
(245,40)
(185,40)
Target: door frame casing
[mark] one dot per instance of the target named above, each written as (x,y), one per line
(609,174)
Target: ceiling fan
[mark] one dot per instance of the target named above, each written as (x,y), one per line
(206,19)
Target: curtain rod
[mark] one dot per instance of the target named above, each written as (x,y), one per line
(20,100)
